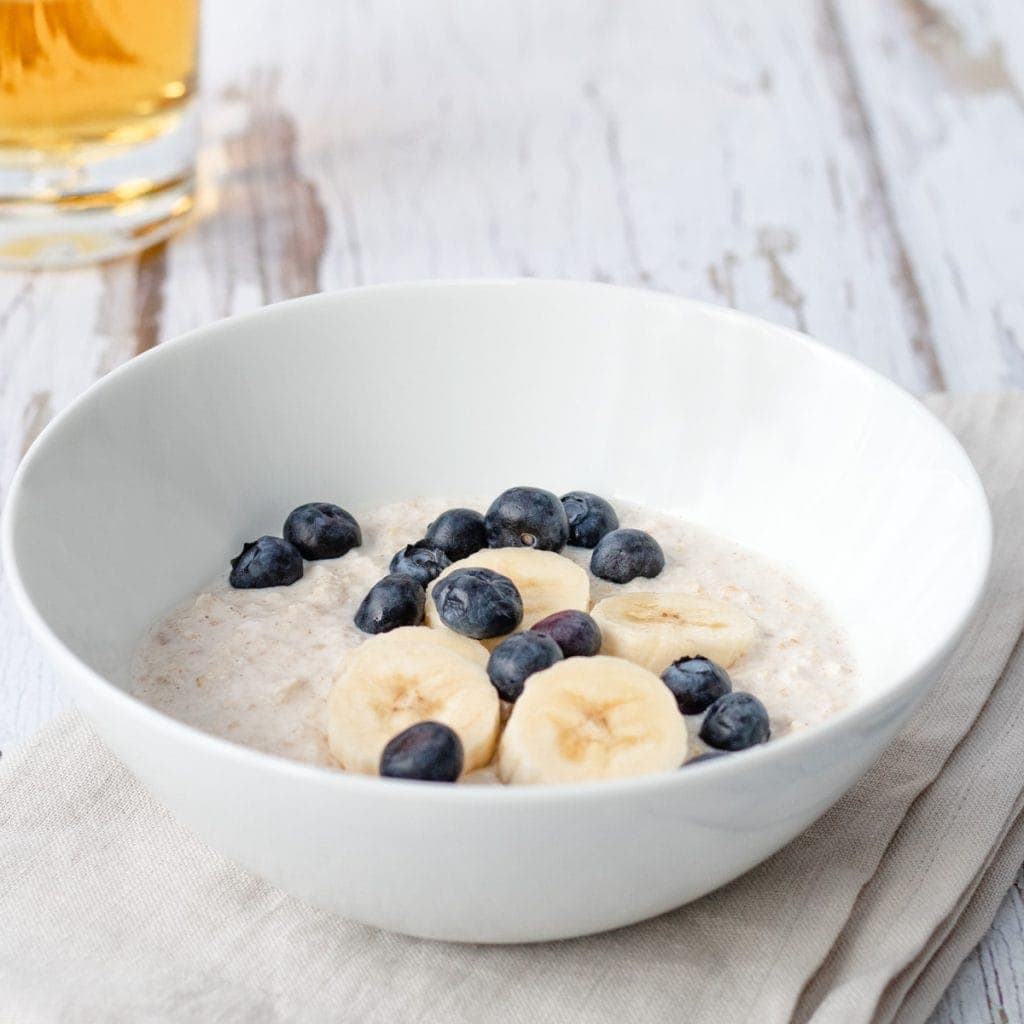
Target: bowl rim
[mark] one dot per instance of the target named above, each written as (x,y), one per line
(69,664)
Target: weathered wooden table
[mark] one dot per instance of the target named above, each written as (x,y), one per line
(854,168)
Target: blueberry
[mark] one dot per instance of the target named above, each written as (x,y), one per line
(322,530)
(734,722)
(422,561)
(518,657)
(479,603)
(590,518)
(575,632)
(622,555)
(696,683)
(527,517)
(459,532)
(428,751)
(709,756)
(397,600)
(267,562)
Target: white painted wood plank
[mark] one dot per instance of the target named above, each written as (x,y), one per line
(709,151)
(703,149)
(942,82)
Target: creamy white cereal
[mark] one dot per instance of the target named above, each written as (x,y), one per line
(255,666)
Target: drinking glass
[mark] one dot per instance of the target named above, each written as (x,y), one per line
(98,126)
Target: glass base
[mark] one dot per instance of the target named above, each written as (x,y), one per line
(92,203)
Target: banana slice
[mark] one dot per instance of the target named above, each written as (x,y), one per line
(547,582)
(410,675)
(419,636)
(655,629)
(591,718)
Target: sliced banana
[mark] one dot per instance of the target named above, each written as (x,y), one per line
(654,630)
(591,718)
(547,582)
(418,636)
(410,675)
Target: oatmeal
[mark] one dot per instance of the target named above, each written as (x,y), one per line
(256,666)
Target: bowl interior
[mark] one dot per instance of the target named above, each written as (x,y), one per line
(139,493)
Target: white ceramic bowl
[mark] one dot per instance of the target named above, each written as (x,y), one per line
(139,492)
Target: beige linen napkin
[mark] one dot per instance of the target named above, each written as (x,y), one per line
(110,911)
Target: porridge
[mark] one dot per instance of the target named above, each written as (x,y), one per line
(256,664)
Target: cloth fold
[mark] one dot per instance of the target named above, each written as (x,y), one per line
(112,912)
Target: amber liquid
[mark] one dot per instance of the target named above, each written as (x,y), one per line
(87,72)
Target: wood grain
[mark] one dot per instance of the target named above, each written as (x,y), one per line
(942,85)
(848,167)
